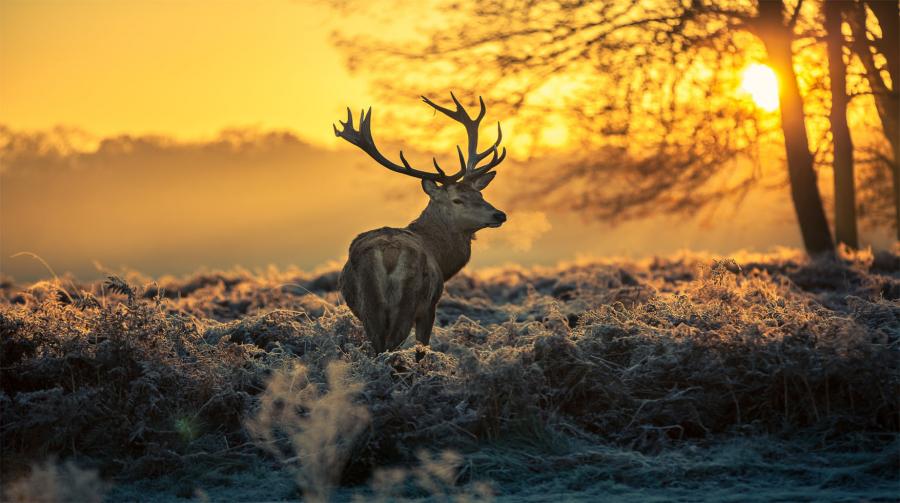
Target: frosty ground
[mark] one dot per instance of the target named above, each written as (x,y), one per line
(690,377)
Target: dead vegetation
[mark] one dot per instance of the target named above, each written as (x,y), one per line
(139,378)
(312,432)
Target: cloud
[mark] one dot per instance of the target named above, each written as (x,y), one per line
(67,146)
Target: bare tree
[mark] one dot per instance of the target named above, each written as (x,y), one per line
(866,46)
(646,88)
(844,183)
(770,26)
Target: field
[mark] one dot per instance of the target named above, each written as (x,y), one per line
(689,377)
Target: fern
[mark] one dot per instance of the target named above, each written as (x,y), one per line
(119,285)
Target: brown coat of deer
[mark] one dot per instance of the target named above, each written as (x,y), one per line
(394,278)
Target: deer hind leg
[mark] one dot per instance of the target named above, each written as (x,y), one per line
(376,330)
(402,314)
(432,287)
(399,329)
(424,325)
(368,304)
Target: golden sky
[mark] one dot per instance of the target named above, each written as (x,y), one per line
(186,69)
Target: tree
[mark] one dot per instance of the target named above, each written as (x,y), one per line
(844,182)
(887,97)
(647,87)
(777,36)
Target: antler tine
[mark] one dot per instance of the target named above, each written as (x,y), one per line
(460,114)
(482,111)
(460,109)
(492,148)
(446,111)
(495,160)
(438,168)
(365,125)
(462,160)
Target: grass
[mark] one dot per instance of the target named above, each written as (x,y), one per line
(669,377)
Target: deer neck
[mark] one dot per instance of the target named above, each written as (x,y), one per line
(449,246)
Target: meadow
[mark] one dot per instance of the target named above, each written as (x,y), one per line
(765,377)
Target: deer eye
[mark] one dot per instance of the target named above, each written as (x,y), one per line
(457,201)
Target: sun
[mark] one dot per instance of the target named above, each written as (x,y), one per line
(761,83)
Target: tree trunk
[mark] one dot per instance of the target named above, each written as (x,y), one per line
(888,14)
(844,183)
(887,99)
(776,36)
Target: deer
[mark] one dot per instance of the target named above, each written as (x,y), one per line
(394,277)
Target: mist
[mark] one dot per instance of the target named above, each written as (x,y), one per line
(255,198)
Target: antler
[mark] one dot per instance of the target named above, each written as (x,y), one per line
(469,168)
(362,138)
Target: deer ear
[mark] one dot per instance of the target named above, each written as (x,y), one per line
(430,187)
(482,181)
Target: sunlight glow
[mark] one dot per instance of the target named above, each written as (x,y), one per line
(556,135)
(761,83)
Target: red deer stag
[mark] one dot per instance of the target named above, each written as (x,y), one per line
(395,277)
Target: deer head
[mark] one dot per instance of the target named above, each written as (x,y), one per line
(457,196)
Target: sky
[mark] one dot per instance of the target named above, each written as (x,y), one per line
(175,167)
(185,69)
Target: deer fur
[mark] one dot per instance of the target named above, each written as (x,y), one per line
(394,278)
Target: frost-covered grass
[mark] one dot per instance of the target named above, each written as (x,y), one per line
(683,377)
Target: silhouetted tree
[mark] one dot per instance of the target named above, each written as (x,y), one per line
(645,87)
(865,46)
(844,182)
(770,26)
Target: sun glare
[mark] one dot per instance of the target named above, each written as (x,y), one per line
(761,83)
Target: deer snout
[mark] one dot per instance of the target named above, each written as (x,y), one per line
(497,219)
